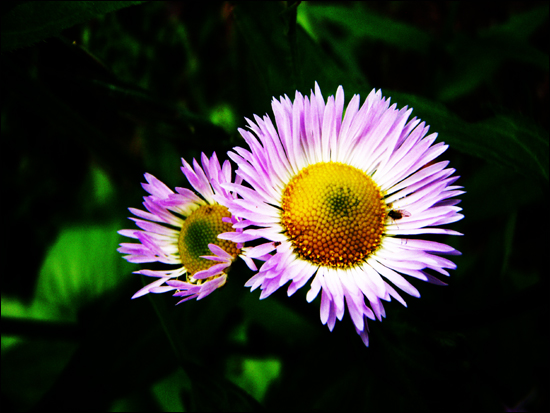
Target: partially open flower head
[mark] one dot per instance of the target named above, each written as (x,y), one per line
(181,229)
(338,197)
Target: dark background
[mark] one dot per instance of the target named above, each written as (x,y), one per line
(95,94)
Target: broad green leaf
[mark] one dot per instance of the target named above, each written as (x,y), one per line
(168,389)
(254,374)
(79,268)
(32,21)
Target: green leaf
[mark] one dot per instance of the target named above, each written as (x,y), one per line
(521,25)
(166,389)
(254,374)
(121,349)
(511,39)
(33,21)
(30,368)
(513,191)
(280,321)
(508,140)
(345,28)
(476,59)
(80,267)
(262,31)
(358,22)
(275,67)
(514,142)
(208,317)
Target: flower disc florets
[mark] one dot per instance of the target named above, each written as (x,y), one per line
(334,214)
(201,228)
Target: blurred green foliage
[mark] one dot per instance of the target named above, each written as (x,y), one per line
(97,93)
(28,22)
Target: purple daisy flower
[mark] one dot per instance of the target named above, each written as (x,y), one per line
(181,229)
(336,196)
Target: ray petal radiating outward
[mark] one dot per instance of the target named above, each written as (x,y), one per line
(336,196)
(180,229)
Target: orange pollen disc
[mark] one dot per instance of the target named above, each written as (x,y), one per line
(199,229)
(334,214)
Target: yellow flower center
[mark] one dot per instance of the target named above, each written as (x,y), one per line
(201,228)
(334,214)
